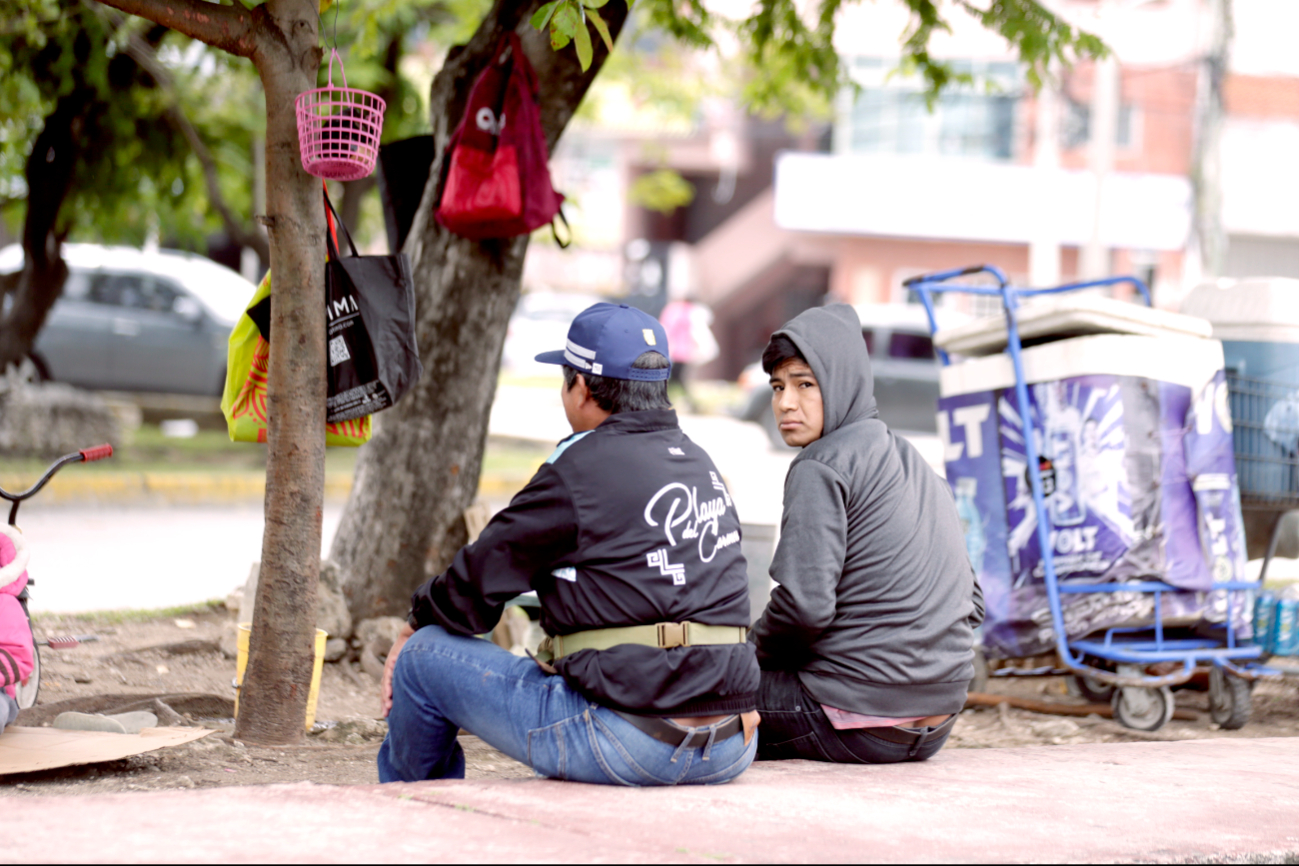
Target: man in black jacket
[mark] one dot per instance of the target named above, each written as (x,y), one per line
(631,542)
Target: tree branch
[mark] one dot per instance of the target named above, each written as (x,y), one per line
(230,28)
(143,54)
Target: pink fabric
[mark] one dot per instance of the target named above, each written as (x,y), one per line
(15,635)
(842,720)
(675,320)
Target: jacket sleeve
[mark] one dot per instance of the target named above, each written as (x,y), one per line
(976,618)
(536,530)
(807,565)
(16,653)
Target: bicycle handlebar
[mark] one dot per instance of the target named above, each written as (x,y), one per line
(86,455)
(99,452)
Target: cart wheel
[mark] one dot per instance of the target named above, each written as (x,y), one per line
(1142,709)
(26,693)
(1093,690)
(1229,699)
(980,681)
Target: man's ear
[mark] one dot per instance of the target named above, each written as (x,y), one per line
(583,390)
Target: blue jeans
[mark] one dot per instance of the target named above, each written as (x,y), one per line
(8,711)
(443,682)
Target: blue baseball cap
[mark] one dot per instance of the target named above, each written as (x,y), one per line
(606,339)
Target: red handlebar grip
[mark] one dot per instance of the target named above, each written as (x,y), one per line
(99,452)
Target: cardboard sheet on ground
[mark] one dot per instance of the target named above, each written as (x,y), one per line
(25,750)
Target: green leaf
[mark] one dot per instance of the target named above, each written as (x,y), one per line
(662,190)
(567,21)
(601,28)
(594,4)
(585,52)
(542,16)
(558,40)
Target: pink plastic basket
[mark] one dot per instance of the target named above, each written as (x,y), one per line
(338,128)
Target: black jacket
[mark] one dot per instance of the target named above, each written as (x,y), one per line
(628,524)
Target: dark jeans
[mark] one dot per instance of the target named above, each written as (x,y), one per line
(794,726)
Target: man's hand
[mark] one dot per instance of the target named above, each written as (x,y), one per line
(385,690)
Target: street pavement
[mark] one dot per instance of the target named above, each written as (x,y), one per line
(139,556)
(104,557)
(1183,801)
(114,556)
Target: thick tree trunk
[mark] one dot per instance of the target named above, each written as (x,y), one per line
(49,171)
(281,38)
(273,699)
(403,521)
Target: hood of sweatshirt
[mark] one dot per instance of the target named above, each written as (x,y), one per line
(831,341)
(13,560)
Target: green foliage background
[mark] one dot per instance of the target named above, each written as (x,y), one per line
(136,174)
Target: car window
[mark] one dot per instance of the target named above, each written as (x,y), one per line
(910,346)
(115,290)
(869,337)
(136,291)
(77,286)
(158,294)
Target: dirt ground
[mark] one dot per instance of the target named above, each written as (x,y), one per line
(181,654)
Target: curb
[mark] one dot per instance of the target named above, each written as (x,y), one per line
(193,488)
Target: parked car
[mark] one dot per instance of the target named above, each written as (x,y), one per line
(540,324)
(130,320)
(902,360)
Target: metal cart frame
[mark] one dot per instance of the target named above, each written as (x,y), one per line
(1142,701)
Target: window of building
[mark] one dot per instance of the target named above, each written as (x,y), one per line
(1075,125)
(889,113)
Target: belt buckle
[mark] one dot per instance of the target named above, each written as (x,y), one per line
(672,634)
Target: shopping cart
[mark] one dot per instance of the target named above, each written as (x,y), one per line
(1141,663)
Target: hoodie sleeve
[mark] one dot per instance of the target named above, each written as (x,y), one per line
(537,529)
(807,564)
(16,653)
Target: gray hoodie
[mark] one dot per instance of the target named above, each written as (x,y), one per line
(877,603)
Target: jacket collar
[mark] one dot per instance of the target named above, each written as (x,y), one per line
(640,422)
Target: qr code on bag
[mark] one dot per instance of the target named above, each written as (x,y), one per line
(338,351)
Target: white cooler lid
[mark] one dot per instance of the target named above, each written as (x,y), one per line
(1180,360)
(1263,309)
(1066,316)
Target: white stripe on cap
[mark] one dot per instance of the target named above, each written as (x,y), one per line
(578,350)
(576,361)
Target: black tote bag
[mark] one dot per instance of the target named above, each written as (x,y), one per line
(370,329)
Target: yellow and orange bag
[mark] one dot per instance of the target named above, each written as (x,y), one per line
(244,400)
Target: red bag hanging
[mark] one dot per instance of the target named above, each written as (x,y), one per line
(497,181)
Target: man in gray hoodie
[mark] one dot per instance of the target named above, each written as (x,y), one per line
(867,644)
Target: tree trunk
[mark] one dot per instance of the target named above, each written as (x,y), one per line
(356,190)
(353,192)
(403,521)
(273,698)
(1206,161)
(49,171)
(281,38)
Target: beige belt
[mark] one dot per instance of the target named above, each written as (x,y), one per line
(663,635)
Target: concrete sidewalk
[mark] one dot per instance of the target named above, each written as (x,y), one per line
(1137,801)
